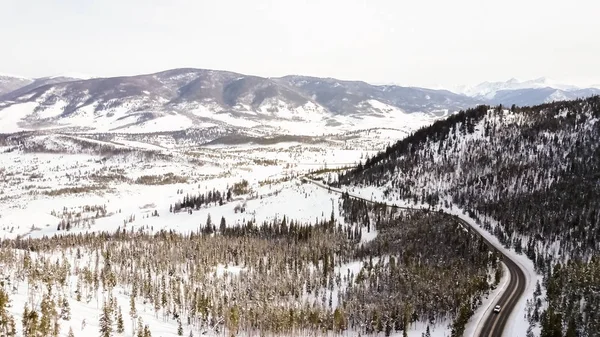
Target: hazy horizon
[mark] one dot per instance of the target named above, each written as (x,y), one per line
(427,44)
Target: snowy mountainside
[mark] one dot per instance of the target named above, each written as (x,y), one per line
(526,97)
(513,171)
(32,84)
(489,88)
(10,83)
(186,98)
(523,93)
(345,97)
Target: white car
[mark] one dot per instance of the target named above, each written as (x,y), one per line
(497,309)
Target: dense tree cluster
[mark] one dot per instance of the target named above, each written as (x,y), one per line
(423,265)
(195,202)
(530,175)
(276,277)
(573,298)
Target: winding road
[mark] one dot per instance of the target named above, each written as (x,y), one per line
(493,325)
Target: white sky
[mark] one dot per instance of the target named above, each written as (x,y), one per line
(416,42)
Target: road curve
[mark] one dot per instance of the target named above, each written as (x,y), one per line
(495,323)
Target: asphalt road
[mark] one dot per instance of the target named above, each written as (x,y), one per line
(495,322)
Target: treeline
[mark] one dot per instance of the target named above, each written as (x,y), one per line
(211,197)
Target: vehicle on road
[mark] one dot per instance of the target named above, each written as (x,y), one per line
(497,309)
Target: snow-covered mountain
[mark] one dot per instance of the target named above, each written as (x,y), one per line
(182,98)
(489,89)
(533,96)
(26,85)
(9,83)
(531,92)
(345,97)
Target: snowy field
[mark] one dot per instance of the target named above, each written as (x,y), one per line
(34,186)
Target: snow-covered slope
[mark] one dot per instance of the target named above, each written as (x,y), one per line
(533,96)
(34,84)
(10,83)
(347,97)
(195,98)
(489,89)
(512,171)
(531,92)
(181,99)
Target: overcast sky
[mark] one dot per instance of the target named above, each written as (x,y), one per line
(421,43)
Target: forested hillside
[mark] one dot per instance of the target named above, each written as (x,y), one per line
(273,278)
(531,176)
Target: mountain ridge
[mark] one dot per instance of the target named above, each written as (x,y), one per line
(181,98)
(529,176)
(188,97)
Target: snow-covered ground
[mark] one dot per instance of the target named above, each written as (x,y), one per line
(34,200)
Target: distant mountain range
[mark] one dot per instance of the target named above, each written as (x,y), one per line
(179,99)
(532,92)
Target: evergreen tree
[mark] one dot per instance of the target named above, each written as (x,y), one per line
(65,310)
(223,224)
(132,312)
(106,321)
(120,323)
(208,221)
(140,327)
(30,322)
(7,325)
(49,314)
(147,332)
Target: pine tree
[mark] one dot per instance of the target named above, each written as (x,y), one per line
(234,318)
(65,310)
(179,328)
(132,311)
(223,224)
(56,329)
(120,324)
(6,319)
(48,308)
(25,321)
(106,321)
(78,290)
(208,221)
(30,322)
(140,327)
(71,334)
(147,332)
